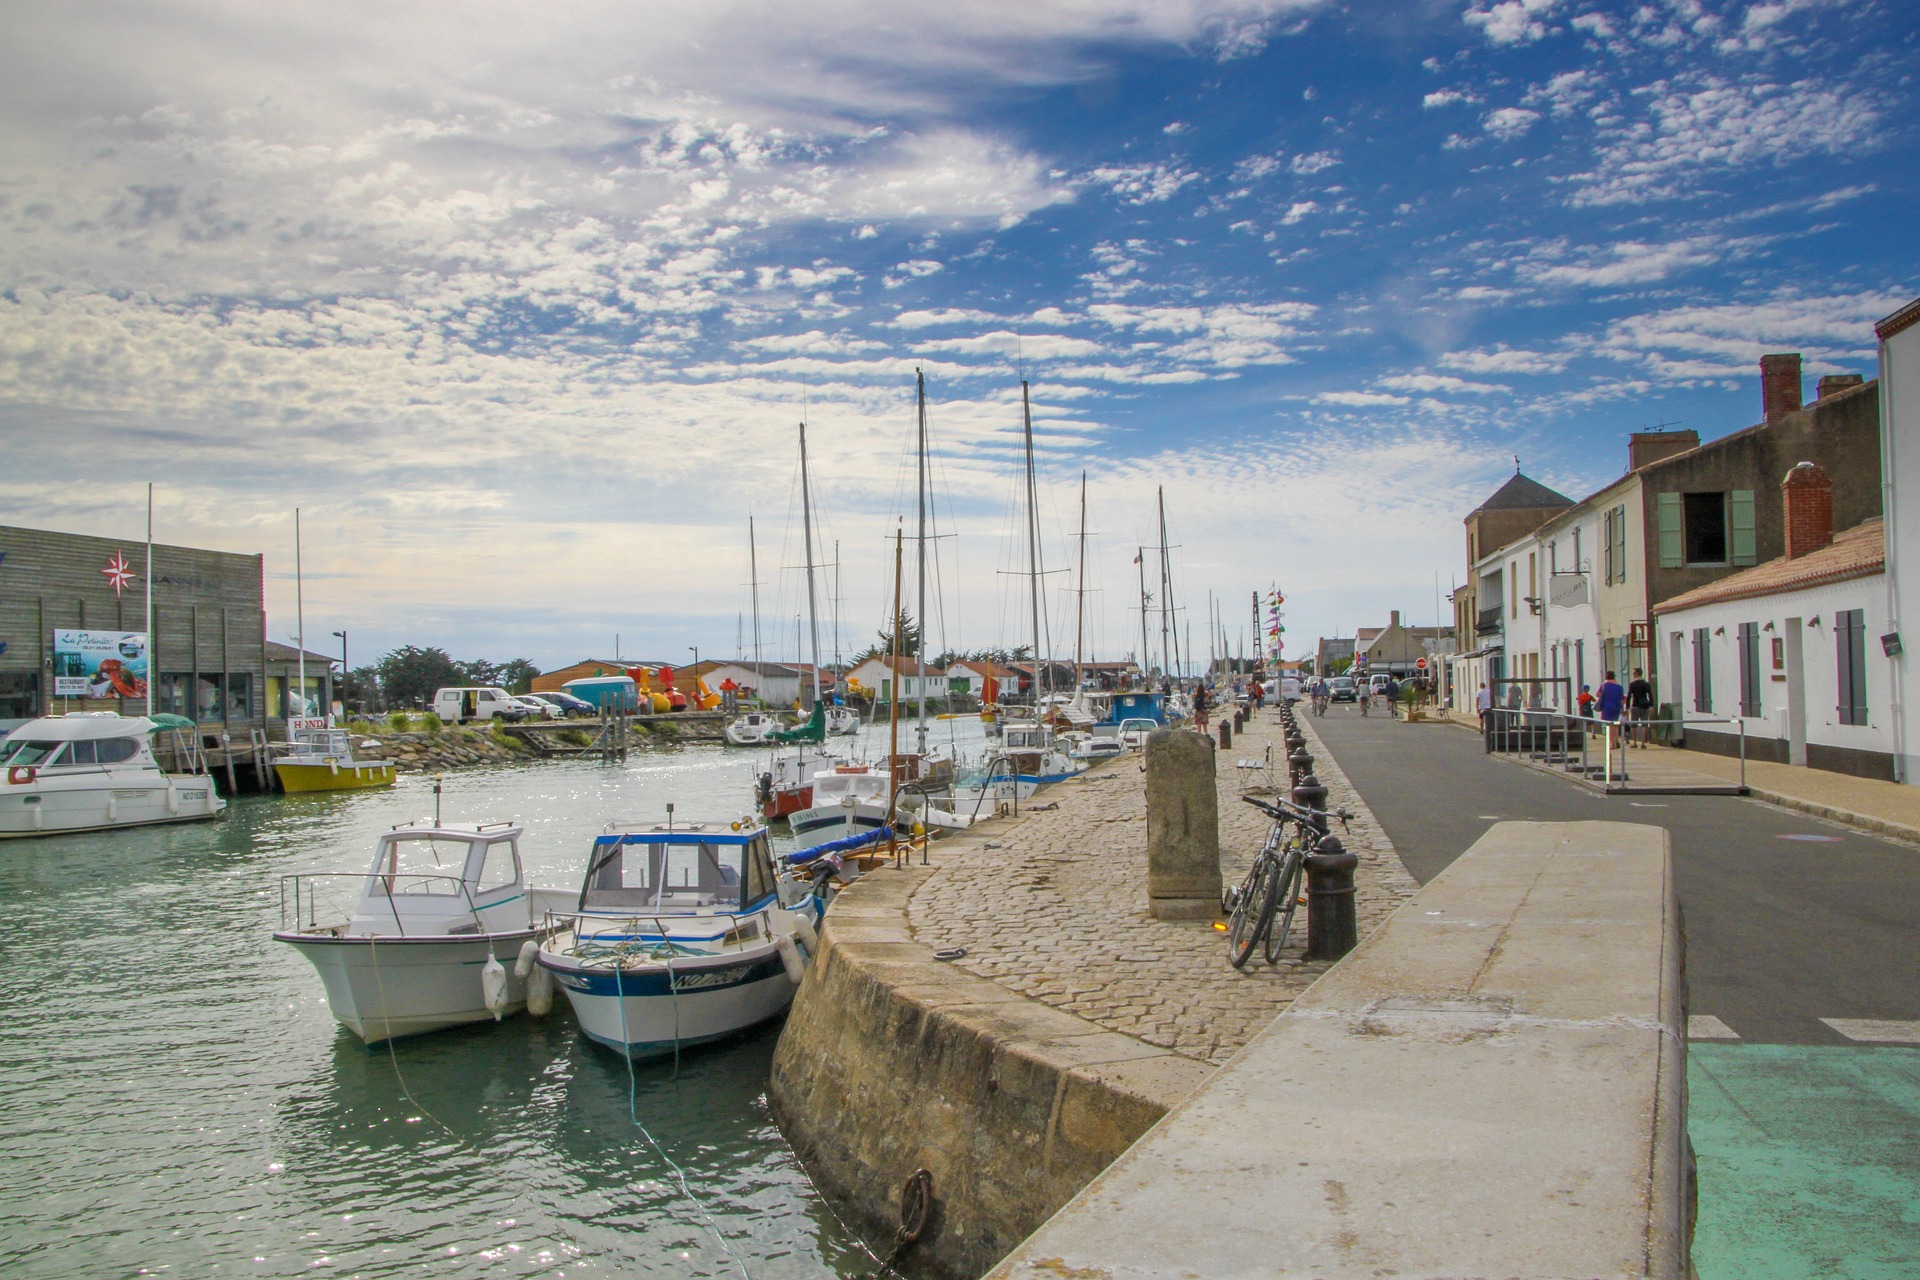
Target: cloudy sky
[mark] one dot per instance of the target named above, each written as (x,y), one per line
(522,304)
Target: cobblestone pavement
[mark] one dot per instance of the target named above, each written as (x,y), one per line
(1055,906)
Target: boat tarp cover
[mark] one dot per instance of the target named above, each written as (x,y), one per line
(800,857)
(814,730)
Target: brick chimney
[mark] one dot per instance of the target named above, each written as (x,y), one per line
(1647,447)
(1807,496)
(1779,384)
(1832,382)
(1396,619)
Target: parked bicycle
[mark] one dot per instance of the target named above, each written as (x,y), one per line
(1260,908)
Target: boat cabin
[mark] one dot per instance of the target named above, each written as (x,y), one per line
(437,880)
(701,868)
(83,740)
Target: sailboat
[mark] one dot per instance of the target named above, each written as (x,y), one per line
(786,786)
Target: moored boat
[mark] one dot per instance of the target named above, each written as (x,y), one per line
(435,935)
(94,771)
(680,935)
(323,760)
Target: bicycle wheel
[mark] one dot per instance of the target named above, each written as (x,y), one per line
(1253,913)
(1291,882)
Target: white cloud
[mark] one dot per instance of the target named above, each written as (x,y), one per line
(1439,382)
(1143,183)
(1298,210)
(1508,123)
(1314,162)
(1726,341)
(1359,399)
(940,316)
(1712,124)
(1502,359)
(1625,262)
(1255,167)
(1511,21)
(1029,346)
(1445,98)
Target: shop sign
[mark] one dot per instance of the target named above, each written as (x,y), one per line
(99,664)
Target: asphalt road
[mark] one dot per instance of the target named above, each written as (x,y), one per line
(1789,919)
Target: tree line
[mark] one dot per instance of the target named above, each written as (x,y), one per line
(408,676)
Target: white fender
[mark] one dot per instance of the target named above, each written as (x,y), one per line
(113,808)
(790,957)
(540,992)
(493,985)
(803,928)
(40,817)
(173,800)
(524,965)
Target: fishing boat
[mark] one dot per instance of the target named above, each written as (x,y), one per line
(94,771)
(848,799)
(437,935)
(680,935)
(753,729)
(323,760)
(842,721)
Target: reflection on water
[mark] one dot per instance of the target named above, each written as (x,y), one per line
(175,1097)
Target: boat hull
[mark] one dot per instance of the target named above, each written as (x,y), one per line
(388,988)
(361,776)
(57,806)
(785,803)
(644,1011)
(835,821)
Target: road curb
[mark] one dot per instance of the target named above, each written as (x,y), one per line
(1845,817)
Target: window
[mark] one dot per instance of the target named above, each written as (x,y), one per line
(240,695)
(1702,670)
(1706,515)
(19,695)
(1749,669)
(760,881)
(1577,566)
(115,750)
(79,753)
(501,870)
(1850,649)
(27,753)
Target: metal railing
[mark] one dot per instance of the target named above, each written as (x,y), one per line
(1554,737)
(306,888)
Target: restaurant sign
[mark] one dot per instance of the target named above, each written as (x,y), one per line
(99,664)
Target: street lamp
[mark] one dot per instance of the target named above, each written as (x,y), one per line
(343,669)
(696,653)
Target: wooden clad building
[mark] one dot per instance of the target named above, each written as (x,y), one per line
(208,658)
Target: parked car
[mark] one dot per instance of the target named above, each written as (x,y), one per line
(1342,689)
(458,705)
(536,709)
(566,704)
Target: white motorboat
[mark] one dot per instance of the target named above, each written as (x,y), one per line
(848,799)
(842,721)
(753,728)
(680,935)
(94,771)
(435,935)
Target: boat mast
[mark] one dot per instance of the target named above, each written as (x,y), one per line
(1080,597)
(920,386)
(1166,666)
(893,707)
(806,519)
(1033,550)
(1146,655)
(753,573)
(299,612)
(153,663)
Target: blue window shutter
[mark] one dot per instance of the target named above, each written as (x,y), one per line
(1671,551)
(1740,537)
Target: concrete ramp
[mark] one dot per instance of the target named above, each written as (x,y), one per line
(1492,1085)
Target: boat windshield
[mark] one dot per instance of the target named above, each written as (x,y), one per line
(421,864)
(24,752)
(633,873)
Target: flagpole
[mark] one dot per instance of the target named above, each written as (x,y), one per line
(299,615)
(153,666)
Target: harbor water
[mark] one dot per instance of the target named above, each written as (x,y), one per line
(176,1099)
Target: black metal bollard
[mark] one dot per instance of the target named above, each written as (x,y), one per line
(1299,766)
(1333,929)
(1226,734)
(1239,719)
(1309,794)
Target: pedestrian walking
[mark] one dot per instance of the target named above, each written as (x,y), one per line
(1640,708)
(1483,703)
(1200,706)
(1612,700)
(1585,701)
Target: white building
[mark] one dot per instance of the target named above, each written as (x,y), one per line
(881,676)
(1791,649)
(1900,473)
(773,683)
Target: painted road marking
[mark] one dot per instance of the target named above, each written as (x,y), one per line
(1704,1026)
(1641,804)
(1877,1031)
(1811,839)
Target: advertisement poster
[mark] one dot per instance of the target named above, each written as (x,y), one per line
(99,664)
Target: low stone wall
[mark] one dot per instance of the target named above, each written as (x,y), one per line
(893,1061)
(1493,1084)
(451,748)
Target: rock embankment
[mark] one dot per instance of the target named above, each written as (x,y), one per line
(450,748)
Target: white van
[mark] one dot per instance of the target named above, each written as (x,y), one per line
(456,706)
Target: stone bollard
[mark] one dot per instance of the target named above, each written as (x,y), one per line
(1226,735)
(1332,927)
(1183,827)
(1309,794)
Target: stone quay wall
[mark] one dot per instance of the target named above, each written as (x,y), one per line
(1065,1022)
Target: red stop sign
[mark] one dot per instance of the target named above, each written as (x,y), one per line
(1420,664)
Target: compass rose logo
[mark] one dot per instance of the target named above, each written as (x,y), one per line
(119,572)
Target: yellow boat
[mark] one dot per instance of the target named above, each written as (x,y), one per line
(322,760)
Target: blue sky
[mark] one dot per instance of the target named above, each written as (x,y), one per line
(521,304)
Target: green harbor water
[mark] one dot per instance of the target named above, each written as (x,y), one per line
(176,1099)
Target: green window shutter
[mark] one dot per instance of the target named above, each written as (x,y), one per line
(1740,539)
(1671,552)
(1619,544)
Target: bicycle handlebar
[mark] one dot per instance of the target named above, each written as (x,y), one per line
(1287,809)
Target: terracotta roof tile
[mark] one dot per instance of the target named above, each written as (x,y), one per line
(1858,552)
